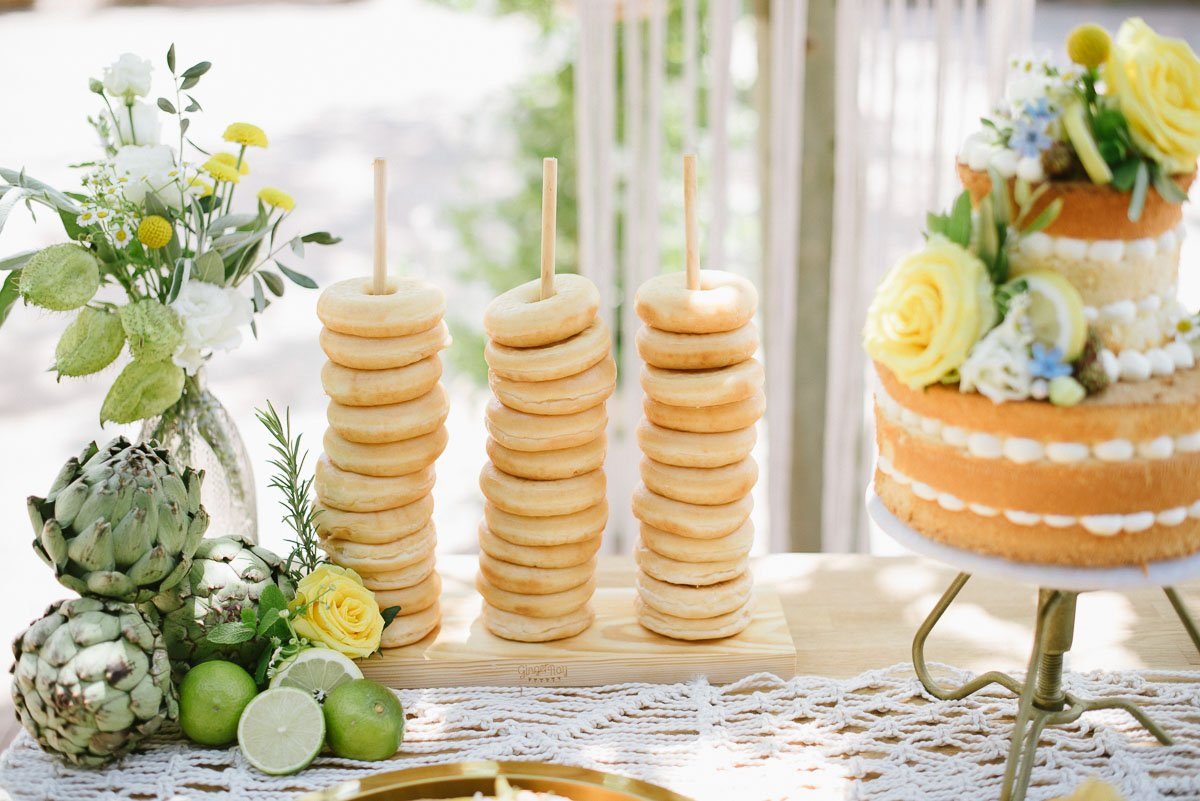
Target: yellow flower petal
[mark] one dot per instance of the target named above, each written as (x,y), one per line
(243,133)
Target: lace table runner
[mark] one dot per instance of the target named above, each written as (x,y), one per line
(876,736)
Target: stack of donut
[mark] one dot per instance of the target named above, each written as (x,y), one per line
(703,395)
(550,370)
(386,415)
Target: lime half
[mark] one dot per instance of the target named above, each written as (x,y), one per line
(281,731)
(317,671)
(1056,312)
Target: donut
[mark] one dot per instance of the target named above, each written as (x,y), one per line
(688,449)
(409,629)
(539,531)
(522,496)
(385,458)
(372,425)
(567,554)
(351,387)
(706,419)
(352,492)
(411,600)
(550,605)
(693,574)
(689,549)
(724,302)
(683,601)
(672,351)
(562,395)
(401,578)
(521,431)
(382,353)
(522,628)
(409,306)
(549,465)
(698,388)
(679,628)
(689,519)
(372,528)
(386,557)
(519,318)
(556,360)
(534,580)
(706,486)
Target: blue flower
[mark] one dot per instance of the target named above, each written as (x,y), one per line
(1029,138)
(1039,110)
(1048,362)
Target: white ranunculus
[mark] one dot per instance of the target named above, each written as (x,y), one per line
(147,130)
(128,77)
(999,366)
(212,318)
(140,168)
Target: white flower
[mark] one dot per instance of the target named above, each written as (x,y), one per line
(87,218)
(122,235)
(147,130)
(128,77)
(212,316)
(144,167)
(999,366)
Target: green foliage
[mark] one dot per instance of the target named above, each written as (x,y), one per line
(955,226)
(300,512)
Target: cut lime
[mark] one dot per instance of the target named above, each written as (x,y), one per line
(317,671)
(281,731)
(1056,312)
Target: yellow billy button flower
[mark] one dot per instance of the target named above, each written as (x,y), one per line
(243,133)
(232,161)
(276,198)
(154,232)
(220,171)
(338,612)
(199,187)
(1088,45)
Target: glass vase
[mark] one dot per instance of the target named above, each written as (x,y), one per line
(199,432)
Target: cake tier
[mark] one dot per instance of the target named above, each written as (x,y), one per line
(1113,481)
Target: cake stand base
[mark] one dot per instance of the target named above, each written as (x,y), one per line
(1043,701)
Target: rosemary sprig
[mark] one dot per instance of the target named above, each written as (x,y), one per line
(301,514)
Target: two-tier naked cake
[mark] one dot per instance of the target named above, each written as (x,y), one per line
(1039,397)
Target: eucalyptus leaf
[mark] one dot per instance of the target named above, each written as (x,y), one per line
(9,294)
(260,300)
(210,268)
(188,83)
(196,70)
(10,199)
(184,124)
(274,283)
(297,246)
(166,105)
(299,279)
(16,261)
(231,221)
(177,278)
(193,104)
(43,191)
(321,238)
(171,59)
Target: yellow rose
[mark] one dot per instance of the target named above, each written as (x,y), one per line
(342,614)
(928,312)
(1156,81)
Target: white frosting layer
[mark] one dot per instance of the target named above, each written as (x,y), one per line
(1022,450)
(1041,245)
(1106,525)
(1138,365)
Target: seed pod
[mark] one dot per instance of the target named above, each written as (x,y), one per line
(90,343)
(143,389)
(60,277)
(152,328)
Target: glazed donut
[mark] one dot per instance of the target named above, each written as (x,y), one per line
(729,548)
(696,351)
(547,362)
(521,496)
(385,458)
(409,629)
(706,486)
(410,306)
(688,519)
(399,579)
(387,557)
(567,554)
(373,528)
(549,465)
(724,302)
(541,531)
(352,492)
(569,395)
(552,604)
(521,431)
(351,387)
(521,628)
(411,600)
(519,318)
(688,449)
(679,628)
(695,602)
(689,574)
(372,425)
(382,353)
(706,419)
(535,580)
(699,388)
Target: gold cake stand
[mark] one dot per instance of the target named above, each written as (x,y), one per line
(1043,700)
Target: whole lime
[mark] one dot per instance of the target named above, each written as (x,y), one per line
(363,720)
(211,698)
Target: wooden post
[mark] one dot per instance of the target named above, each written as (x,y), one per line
(379,275)
(691,234)
(549,224)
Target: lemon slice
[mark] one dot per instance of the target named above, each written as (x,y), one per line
(317,671)
(281,731)
(1056,312)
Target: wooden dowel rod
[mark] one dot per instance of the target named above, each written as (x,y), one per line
(691,235)
(379,280)
(549,223)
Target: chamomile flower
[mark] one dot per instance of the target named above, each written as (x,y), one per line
(122,235)
(88,217)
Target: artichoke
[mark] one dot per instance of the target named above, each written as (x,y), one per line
(91,680)
(227,575)
(122,522)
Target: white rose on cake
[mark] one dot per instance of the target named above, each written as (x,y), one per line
(146,129)
(999,366)
(128,77)
(140,168)
(212,318)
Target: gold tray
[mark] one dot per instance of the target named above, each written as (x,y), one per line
(459,779)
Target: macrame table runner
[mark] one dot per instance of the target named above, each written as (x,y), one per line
(876,736)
